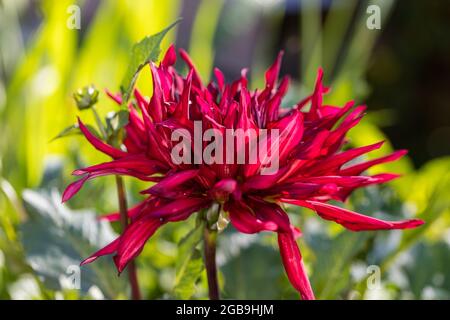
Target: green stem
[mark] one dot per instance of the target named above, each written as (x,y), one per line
(132,274)
(99,122)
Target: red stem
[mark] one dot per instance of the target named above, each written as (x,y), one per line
(131,268)
(210,237)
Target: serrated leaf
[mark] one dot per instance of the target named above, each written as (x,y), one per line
(185,286)
(146,50)
(56,239)
(189,264)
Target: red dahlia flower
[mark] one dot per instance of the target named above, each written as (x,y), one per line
(312,167)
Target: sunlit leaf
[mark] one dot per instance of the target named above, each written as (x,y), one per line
(146,50)
(56,239)
(74,130)
(189,264)
(116,120)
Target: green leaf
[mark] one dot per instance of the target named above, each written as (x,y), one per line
(74,130)
(116,120)
(189,265)
(69,131)
(56,239)
(434,276)
(146,50)
(86,97)
(252,268)
(331,270)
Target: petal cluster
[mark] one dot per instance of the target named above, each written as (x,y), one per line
(313,168)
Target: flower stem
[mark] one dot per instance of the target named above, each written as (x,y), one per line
(210,237)
(99,122)
(132,274)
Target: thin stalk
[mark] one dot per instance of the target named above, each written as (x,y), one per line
(210,263)
(99,122)
(210,243)
(132,274)
(123,209)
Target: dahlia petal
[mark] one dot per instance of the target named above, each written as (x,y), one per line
(336,137)
(328,121)
(156,109)
(359,168)
(283,87)
(179,207)
(293,264)
(273,71)
(99,144)
(314,148)
(195,75)
(172,182)
(73,189)
(132,241)
(138,163)
(296,190)
(223,188)
(291,133)
(272,212)
(358,222)
(343,194)
(316,98)
(245,221)
(220,78)
(335,161)
(117,97)
(132,213)
(170,57)
(109,249)
(259,182)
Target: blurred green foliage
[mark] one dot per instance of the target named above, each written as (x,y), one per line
(39,74)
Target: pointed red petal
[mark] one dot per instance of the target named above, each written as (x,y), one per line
(245,221)
(132,241)
(359,168)
(273,71)
(293,264)
(170,57)
(358,222)
(99,144)
(109,249)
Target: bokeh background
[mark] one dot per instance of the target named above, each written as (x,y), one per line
(401,71)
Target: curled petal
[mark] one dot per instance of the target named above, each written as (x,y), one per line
(74,187)
(170,57)
(273,71)
(138,163)
(132,241)
(107,250)
(99,144)
(293,264)
(356,221)
(359,168)
(179,207)
(222,189)
(171,183)
(246,221)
